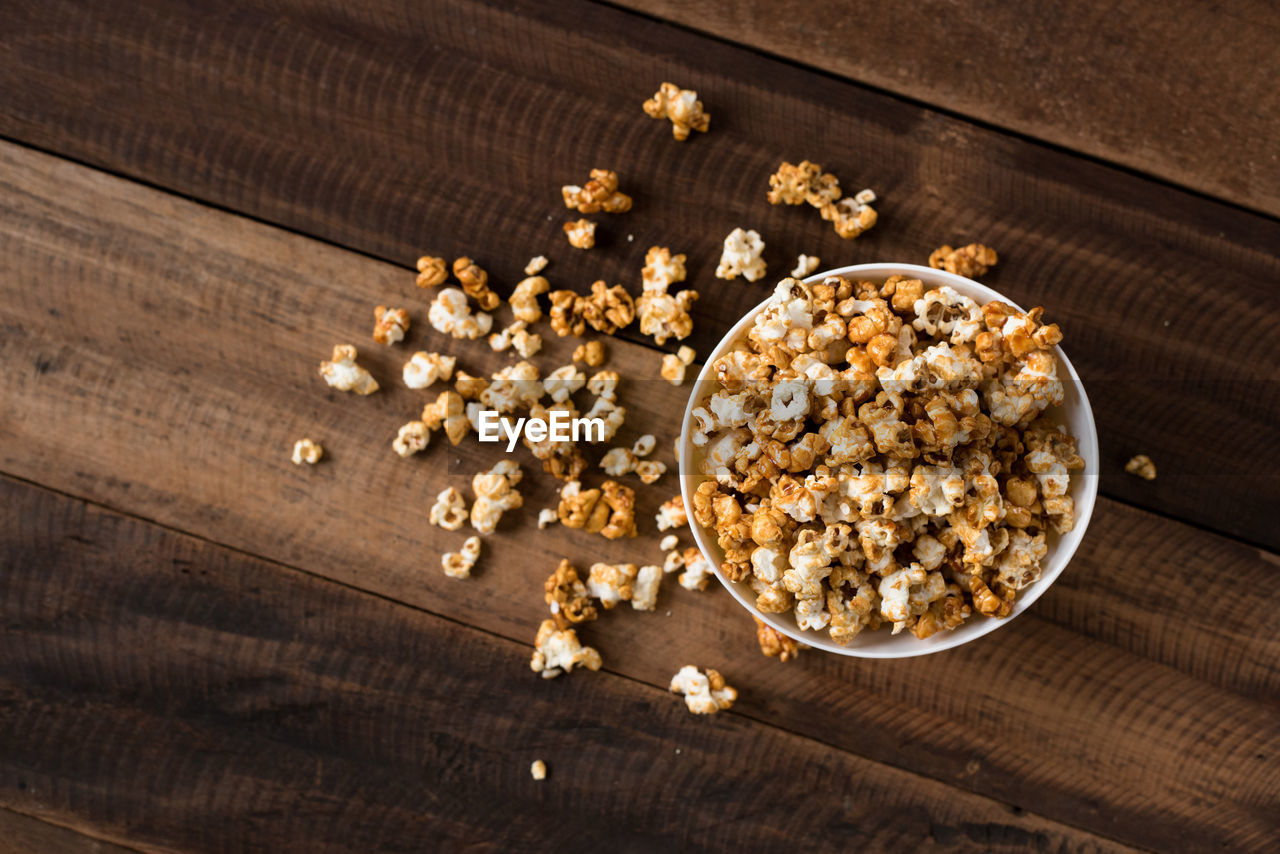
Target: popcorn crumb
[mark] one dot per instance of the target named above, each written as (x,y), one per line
(460,563)
(424,368)
(411,438)
(431,271)
(682,107)
(774,643)
(538,769)
(805,265)
(742,256)
(558,651)
(306,451)
(703,694)
(590,354)
(599,194)
(450,314)
(669,542)
(475,283)
(969,261)
(581,233)
(450,510)
(1140,465)
(536,265)
(390,324)
(344,374)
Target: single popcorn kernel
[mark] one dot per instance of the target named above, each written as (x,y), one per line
(411,438)
(793,185)
(390,324)
(682,107)
(450,510)
(538,769)
(581,233)
(344,374)
(742,256)
(306,451)
(774,643)
(674,365)
(703,694)
(495,494)
(650,471)
(599,194)
(431,271)
(567,597)
(1140,465)
(475,283)
(536,265)
(611,582)
(969,261)
(450,314)
(669,542)
(423,369)
(662,269)
(460,563)
(447,411)
(590,354)
(852,215)
(805,265)
(558,651)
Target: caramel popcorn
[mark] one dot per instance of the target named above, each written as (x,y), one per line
(674,364)
(662,269)
(567,597)
(424,368)
(852,215)
(618,461)
(411,438)
(805,265)
(875,455)
(606,309)
(611,582)
(742,256)
(460,563)
(517,336)
(609,510)
(581,233)
(599,194)
(794,185)
(536,265)
(590,354)
(495,494)
(450,314)
(703,694)
(650,471)
(449,511)
(469,387)
(774,643)
(306,451)
(538,769)
(390,324)
(475,283)
(447,412)
(969,261)
(344,374)
(431,271)
(672,514)
(697,570)
(681,106)
(524,299)
(558,651)
(1140,465)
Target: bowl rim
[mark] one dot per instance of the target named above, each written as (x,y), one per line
(905,645)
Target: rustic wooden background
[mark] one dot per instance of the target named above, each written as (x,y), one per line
(207,649)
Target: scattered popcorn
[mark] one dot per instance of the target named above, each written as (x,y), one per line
(681,106)
(581,233)
(411,438)
(460,563)
(423,369)
(673,365)
(969,261)
(1140,465)
(517,336)
(450,510)
(344,374)
(567,597)
(431,271)
(447,412)
(697,570)
(475,283)
(609,510)
(495,494)
(611,582)
(672,514)
(669,542)
(805,265)
(644,589)
(703,694)
(774,643)
(306,451)
(742,256)
(650,471)
(538,769)
(547,517)
(558,651)
(852,215)
(524,299)
(599,194)
(450,314)
(590,354)
(536,265)
(794,185)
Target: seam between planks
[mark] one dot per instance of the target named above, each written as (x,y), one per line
(91,834)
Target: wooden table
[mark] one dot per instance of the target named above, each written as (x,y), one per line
(206,648)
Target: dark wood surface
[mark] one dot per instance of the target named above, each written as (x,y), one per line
(208,649)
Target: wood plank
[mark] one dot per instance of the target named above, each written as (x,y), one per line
(22,834)
(171,691)
(1174,89)
(396,128)
(159,357)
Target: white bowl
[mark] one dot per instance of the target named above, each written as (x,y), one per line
(1074,412)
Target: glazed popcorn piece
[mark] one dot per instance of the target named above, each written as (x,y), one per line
(664,315)
(606,309)
(517,336)
(650,471)
(805,265)
(1140,465)
(450,314)
(536,265)
(495,494)
(742,256)
(794,185)
(390,324)
(611,582)
(460,563)
(581,233)
(682,107)
(558,651)
(774,643)
(306,451)
(599,194)
(672,514)
(447,412)
(524,299)
(644,589)
(450,510)
(469,387)
(609,510)
(431,271)
(344,374)
(618,461)
(590,354)
(411,438)
(852,215)
(424,368)
(674,364)
(604,384)
(969,261)
(704,694)
(538,769)
(567,597)
(475,283)
(662,269)
(697,570)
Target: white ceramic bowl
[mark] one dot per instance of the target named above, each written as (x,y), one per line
(1074,412)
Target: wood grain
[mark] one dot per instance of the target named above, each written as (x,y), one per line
(1179,90)
(396,128)
(159,357)
(169,691)
(22,834)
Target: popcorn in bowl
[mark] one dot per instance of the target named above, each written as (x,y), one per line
(895,448)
